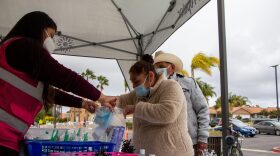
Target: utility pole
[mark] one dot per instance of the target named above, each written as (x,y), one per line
(223,72)
(277,101)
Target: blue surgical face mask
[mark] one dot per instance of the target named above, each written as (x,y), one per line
(103,117)
(141,90)
(162,71)
(174,76)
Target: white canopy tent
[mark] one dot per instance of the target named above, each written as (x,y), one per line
(113,29)
(118,29)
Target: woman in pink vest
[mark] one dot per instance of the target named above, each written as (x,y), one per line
(27,70)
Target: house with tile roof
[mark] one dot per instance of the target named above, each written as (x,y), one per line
(243,112)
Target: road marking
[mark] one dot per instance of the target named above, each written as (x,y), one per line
(257,150)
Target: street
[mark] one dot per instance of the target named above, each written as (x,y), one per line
(260,145)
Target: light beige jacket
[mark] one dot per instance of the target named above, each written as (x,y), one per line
(159,121)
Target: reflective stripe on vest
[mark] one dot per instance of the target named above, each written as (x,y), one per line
(13,121)
(35,92)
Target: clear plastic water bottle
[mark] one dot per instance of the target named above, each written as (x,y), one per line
(117,136)
(142,152)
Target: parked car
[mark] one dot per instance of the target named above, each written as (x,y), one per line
(255,121)
(215,122)
(268,127)
(246,120)
(241,127)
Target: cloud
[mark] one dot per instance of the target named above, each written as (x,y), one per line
(252,46)
(253,40)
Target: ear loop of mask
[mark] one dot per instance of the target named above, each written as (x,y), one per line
(146,80)
(149,82)
(168,76)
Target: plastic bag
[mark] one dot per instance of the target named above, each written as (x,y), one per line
(107,121)
(117,128)
(118,118)
(103,117)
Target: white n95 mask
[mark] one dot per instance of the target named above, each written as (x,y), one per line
(49,44)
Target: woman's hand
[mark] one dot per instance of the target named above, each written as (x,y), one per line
(129,109)
(107,101)
(89,105)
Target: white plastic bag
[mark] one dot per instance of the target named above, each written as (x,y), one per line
(118,118)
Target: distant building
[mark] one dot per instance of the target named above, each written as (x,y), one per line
(213,113)
(243,112)
(270,109)
(246,112)
(65,115)
(80,115)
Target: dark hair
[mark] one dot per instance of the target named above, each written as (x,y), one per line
(32,26)
(148,58)
(145,65)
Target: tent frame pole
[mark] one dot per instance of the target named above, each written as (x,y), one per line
(169,9)
(127,23)
(125,19)
(89,43)
(140,47)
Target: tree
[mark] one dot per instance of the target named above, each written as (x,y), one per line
(234,101)
(125,86)
(264,113)
(239,117)
(273,114)
(218,103)
(103,81)
(238,100)
(204,63)
(207,89)
(88,74)
(184,72)
(42,115)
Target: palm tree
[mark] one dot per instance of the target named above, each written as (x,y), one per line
(207,89)
(234,101)
(103,81)
(238,100)
(125,86)
(184,72)
(88,74)
(204,63)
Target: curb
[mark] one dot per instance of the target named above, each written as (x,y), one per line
(276,149)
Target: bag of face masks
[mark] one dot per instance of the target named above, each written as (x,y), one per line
(103,118)
(106,120)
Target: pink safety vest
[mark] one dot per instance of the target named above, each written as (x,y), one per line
(20,101)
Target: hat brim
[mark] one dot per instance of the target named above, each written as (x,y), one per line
(166,57)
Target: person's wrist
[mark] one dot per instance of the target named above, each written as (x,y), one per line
(101,98)
(202,145)
(83,103)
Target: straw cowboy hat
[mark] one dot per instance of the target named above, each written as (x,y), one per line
(161,56)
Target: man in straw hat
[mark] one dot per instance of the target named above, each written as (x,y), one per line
(198,111)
